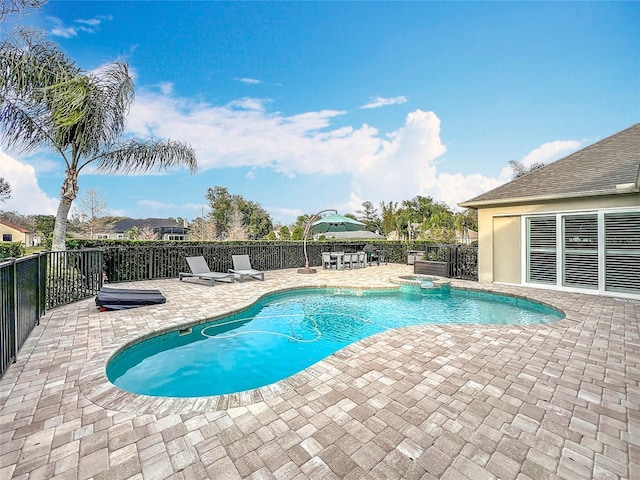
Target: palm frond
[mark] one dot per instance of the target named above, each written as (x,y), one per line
(28,65)
(136,156)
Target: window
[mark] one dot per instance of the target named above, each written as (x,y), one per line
(598,251)
(580,249)
(622,252)
(6,237)
(541,249)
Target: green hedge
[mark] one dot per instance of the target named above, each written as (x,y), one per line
(11,250)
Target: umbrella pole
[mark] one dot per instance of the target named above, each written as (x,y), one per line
(307,229)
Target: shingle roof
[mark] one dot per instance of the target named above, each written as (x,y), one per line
(610,166)
(15,227)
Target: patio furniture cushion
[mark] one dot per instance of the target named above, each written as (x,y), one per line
(122,298)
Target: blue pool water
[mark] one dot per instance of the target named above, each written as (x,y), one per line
(286,332)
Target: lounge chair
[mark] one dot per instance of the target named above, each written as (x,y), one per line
(200,269)
(242,267)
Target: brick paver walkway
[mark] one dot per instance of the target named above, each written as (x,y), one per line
(433,401)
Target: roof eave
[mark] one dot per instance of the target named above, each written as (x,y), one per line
(547,198)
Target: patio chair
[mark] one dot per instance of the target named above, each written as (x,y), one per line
(362,259)
(349,259)
(327,261)
(200,269)
(242,267)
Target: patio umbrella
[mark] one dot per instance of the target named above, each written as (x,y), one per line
(330,223)
(336,223)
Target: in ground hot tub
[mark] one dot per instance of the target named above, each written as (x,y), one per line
(426,282)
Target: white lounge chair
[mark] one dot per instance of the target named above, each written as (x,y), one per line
(242,267)
(200,269)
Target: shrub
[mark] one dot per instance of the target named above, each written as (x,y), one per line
(11,249)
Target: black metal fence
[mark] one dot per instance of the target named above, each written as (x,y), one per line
(73,275)
(22,295)
(462,261)
(31,285)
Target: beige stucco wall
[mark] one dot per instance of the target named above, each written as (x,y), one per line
(498,259)
(506,249)
(16,235)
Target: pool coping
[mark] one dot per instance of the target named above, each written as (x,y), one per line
(97,388)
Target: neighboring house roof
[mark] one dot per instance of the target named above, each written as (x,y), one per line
(608,167)
(127,224)
(16,227)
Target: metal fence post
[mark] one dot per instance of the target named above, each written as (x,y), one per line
(14,275)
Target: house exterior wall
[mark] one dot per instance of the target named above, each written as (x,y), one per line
(498,258)
(506,249)
(25,238)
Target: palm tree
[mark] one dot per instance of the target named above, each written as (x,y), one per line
(48,102)
(18,6)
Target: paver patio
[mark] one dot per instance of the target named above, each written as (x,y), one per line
(434,401)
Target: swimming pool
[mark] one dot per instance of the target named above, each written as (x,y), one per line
(286,332)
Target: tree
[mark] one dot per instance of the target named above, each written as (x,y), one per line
(256,220)
(147,233)
(203,229)
(48,102)
(369,216)
(133,233)
(44,224)
(8,7)
(387,217)
(5,190)
(297,233)
(519,169)
(92,212)
(237,230)
(285,233)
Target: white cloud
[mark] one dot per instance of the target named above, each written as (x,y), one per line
(58,29)
(26,196)
(89,25)
(95,21)
(391,167)
(249,80)
(377,102)
(397,166)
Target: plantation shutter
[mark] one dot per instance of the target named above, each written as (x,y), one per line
(622,252)
(541,250)
(580,242)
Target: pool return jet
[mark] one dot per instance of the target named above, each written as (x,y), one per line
(329,223)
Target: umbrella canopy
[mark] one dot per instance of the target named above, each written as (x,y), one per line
(336,223)
(357,235)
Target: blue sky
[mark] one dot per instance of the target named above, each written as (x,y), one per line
(303,106)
